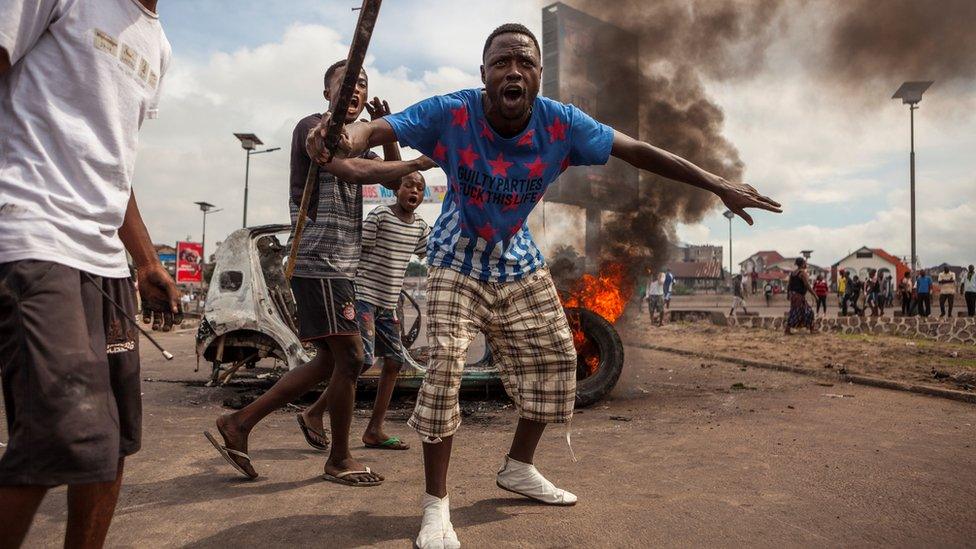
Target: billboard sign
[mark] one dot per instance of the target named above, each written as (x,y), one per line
(378,194)
(189,262)
(595,66)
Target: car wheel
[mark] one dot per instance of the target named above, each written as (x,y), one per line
(599,355)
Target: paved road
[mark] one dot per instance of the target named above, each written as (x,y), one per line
(774,462)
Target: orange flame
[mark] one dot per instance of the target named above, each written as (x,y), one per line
(606,294)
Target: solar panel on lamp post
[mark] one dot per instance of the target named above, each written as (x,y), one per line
(206,208)
(249,142)
(910,94)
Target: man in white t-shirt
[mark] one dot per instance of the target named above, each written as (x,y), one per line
(655,297)
(947,291)
(77,79)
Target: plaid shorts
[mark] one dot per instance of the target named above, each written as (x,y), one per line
(527,332)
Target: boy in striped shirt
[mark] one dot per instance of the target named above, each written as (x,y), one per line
(391,236)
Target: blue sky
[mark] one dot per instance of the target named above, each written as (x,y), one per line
(838,163)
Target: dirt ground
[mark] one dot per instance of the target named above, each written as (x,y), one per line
(679,455)
(949,365)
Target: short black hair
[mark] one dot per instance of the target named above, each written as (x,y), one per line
(507,28)
(329,72)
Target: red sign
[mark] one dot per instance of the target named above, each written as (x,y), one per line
(189,262)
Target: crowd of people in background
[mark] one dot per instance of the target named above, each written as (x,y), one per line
(876,292)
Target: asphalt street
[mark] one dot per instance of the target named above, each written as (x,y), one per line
(683,453)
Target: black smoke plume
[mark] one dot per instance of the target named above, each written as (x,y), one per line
(844,45)
(679,43)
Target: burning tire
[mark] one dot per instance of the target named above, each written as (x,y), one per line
(600,355)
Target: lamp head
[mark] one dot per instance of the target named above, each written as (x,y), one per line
(910,93)
(249,141)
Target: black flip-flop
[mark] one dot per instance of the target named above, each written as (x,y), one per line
(307,432)
(229,453)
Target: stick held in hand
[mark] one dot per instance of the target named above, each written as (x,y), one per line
(354,64)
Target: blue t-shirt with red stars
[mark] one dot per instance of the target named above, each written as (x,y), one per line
(493,181)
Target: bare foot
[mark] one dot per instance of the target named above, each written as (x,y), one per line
(235,438)
(375,438)
(334,468)
(315,426)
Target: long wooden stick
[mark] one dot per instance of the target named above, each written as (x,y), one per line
(354,64)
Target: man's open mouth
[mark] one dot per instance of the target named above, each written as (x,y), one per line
(354,104)
(513,93)
(413,200)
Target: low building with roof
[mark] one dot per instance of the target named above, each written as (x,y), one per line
(698,275)
(862,260)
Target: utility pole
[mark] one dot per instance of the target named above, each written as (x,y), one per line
(729,215)
(910,94)
(249,142)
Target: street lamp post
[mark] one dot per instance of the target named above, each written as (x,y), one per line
(206,208)
(910,94)
(249,142)
(729,215)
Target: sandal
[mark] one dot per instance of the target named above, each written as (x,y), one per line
(308,432)
(341,478)
(392,443)
(229,454)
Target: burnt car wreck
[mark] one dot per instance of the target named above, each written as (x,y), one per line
(250,315)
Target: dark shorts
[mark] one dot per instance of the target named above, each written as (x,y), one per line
(326,307)
(380,328)
(70,368)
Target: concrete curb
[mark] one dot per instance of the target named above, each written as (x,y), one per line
(928,390)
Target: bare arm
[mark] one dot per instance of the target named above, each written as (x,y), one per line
(160,297)
(806,283)
(361,136)
(736,196)
(361,171)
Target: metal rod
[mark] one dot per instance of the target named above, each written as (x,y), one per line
(166,354)
(911,110)
(354,64)
(247,171)
(730,247)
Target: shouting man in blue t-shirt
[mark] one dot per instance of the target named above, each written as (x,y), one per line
(501,147)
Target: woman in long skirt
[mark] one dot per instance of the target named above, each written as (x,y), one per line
(801,313)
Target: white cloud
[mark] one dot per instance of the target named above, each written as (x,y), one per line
(190,154)
(838,163)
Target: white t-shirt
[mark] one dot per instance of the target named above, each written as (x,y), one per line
(84,75)
(655,288)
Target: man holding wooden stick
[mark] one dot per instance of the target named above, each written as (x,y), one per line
(326,261)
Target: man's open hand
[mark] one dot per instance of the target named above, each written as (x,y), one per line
(377,108)
(160,298)
(739,196)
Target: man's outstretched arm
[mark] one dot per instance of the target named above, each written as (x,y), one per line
(736,196)
(357,138)
(360,171)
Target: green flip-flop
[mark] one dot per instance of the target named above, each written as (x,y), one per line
(392,443)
